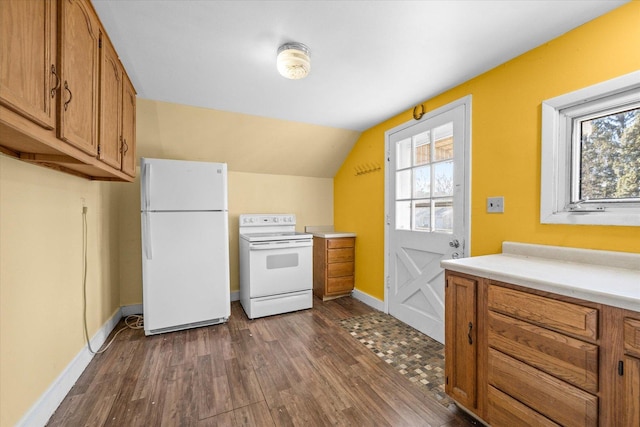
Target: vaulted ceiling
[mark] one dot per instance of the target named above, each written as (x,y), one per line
(370,60)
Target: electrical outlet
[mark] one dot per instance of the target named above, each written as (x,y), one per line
(495,204)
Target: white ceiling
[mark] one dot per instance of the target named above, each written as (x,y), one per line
(370,60)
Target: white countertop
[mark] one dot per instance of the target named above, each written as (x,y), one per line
(611,278)
(327,232)
(334,234)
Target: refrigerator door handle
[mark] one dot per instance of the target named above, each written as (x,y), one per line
(146,244)
(147,186)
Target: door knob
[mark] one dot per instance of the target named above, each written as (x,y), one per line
(455,255)
(454,243)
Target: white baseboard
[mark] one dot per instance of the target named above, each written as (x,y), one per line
(368,299)
(46,405)
(128,310)
(235,296)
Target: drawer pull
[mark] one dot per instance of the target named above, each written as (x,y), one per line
(469,333)
(620,367)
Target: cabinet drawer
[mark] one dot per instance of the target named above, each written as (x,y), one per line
(508,412)
(339,285)
(340,269)
(632,336)
(343,242)
(561,402)
(340,255)
(561,316)
(569,359)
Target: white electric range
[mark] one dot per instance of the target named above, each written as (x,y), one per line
(276,265)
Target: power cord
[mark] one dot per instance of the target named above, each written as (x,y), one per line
(134,321)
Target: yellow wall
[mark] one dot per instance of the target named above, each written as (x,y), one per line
(311,199)
(506,124)
(41,276)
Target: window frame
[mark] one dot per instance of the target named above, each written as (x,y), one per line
(557,162)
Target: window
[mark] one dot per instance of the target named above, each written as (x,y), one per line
(424,181)
(591,155)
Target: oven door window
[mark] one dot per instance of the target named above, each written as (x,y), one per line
(282,261)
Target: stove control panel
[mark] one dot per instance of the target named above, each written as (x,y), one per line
(257,220)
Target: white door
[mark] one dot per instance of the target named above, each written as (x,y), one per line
(427,212)
(185,268)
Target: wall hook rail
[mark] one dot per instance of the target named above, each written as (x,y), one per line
(365,168)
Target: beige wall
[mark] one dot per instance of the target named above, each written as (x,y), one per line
(275,166)
(311,199)
(246,143)
(41,268)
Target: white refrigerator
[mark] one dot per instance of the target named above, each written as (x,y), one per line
(185,244)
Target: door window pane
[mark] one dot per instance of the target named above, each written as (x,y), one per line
(421,182)
(403,184)
(444,142)
(443,175)
(403,154)
(403,215)
(443,215)
(422,215)
(422,150)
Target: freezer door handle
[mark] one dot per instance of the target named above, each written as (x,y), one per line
(147,186)
(146,232)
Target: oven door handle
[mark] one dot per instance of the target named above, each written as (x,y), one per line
(266,246)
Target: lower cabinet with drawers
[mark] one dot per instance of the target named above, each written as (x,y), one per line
(333,266)
(538,358)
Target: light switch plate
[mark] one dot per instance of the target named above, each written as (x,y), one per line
(495,204)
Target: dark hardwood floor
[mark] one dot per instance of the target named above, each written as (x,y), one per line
(295,369)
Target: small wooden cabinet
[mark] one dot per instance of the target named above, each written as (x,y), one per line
(65,100)
(333,266)
(538,358)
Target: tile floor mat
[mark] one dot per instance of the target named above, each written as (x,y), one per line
(413,354)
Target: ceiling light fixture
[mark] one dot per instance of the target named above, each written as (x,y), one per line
(294,61)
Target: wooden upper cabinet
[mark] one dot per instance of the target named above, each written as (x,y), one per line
(78,45)
(28,74)
(128,146)
(110,105)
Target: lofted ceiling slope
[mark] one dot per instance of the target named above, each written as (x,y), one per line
(371,60)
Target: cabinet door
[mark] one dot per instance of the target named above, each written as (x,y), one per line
(28,74)
(78,45)
(631,407)
(460,339)
(110,105)
(128,127)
